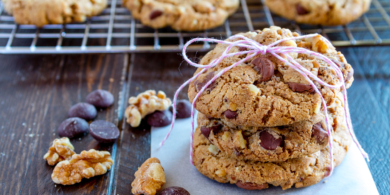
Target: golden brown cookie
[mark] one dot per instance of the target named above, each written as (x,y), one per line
(323,12)
(263,91)
(42,12)
(299,172)
(182,15)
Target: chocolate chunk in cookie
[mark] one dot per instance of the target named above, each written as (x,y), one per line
(270,141)
(264,67)
(319,133)
(299,87)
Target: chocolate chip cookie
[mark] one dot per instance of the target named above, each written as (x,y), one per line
(264,91)
(324,12)
(267,143)
(299,172)
(182,15)
(42,12)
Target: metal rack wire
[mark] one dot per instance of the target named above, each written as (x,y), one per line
(116,31)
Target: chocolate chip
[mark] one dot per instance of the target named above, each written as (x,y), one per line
(104,131)
(83,110)
(230,114)
(301,10)
(251,186)
(209,117)
(268,141)
(265,67)
(155,14)
(183,109)
(327,171)
(299,87)
(159,118)
(206,130)
(100,98)
(73,127)
(199,84)
(349,75)
(319,133)
(242,49)
(174,190)
(236,152)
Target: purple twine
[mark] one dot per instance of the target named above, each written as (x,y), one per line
(254,48)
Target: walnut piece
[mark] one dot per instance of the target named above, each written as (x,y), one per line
(85,165)
(60,150)
(149,178)
(144,104)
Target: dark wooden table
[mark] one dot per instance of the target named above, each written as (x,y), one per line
(37,91)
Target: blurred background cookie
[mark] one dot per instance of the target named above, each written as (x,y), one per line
(186,15)
(322,12)
(43,12)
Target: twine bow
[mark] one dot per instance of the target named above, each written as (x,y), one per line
(254,48)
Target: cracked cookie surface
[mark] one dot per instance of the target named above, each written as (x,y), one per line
(43,12)
(182,15)
(324,12)
(299,172)
(247,94)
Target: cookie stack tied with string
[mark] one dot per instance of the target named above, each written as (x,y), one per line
(272,109)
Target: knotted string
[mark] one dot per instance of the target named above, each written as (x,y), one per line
(254,48)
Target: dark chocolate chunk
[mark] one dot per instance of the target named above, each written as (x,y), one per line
(83,110)
(301,10)
(264,67)
(183,109)
(159,118)
(73,127)
(100,98)
(199,84)
(268,141)
(155,14)
(103,131)
(206,130)
(174,190)
(299,87)
(242,49)
(230,114)
(251,186)
(319,133)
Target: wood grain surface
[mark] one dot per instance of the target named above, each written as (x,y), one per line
(37,91)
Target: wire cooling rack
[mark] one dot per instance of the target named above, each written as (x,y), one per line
(116,31)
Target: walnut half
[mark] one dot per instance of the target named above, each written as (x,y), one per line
(145,103)
(85,165)
(60,150)
(149,178)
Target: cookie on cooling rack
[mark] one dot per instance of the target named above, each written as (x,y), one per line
(43,12)
(324,12)
(182,15)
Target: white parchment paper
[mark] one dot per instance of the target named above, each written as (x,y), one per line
(351,177)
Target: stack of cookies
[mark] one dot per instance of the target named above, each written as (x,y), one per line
(262,123)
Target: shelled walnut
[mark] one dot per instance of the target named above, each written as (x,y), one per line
(149,178)
(85,165)
(144,104)
(60,150)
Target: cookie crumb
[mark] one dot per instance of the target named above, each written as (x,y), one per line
(325,181)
